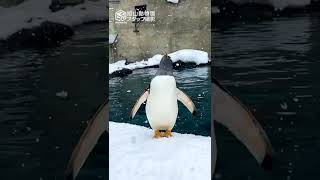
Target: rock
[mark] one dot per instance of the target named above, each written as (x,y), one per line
(121,73)
(48,34)
(180,65)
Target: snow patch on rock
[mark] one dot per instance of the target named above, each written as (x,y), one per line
(173,1)
(185,55)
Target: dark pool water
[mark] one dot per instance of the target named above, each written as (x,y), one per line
(273,67)
(194,82)
(38,130)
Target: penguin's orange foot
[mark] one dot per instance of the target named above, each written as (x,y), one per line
(157,134)
(168,133)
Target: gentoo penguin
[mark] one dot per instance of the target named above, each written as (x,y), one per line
(230,112)
(162,100)
(226,109)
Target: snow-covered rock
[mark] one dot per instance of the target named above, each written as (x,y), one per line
(32,13)
(185,55)
(173,1)
(134,154)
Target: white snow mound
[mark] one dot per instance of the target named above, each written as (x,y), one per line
(185,55)
(173,1)
(32,13)
(135,154)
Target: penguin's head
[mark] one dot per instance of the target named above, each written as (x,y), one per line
(165,66)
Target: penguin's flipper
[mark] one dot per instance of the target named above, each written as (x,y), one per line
(96,127)
(230,112)
(186,100)
(137,105)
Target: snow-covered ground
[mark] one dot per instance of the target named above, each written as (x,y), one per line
(135,155)
(32,13)
(277,4)
(184,55)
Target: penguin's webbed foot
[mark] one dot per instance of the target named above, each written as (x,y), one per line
(157,134)
(168,133)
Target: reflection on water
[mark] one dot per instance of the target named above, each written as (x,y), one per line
(38,130)
(194,82)
(273,67)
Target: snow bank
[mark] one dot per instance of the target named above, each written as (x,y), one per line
(277,4)
(32,13)
(184,55)
(134,154)
(173,1)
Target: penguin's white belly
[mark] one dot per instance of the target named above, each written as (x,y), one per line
(162,105)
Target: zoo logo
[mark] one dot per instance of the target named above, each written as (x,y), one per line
(120,16)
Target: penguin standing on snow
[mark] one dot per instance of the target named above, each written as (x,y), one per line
(162,111)
(162,100)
